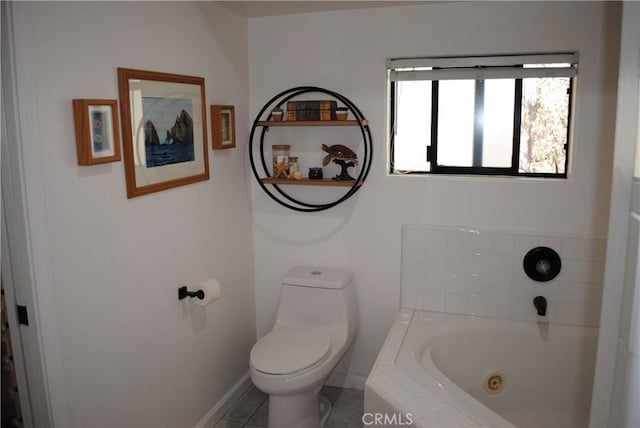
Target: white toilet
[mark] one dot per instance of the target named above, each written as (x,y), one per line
(316,322)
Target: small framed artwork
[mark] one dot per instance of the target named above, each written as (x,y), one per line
(223,127)
(97,138)
(164,130)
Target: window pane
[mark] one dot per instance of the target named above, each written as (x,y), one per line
(497,146)
(413,126)
(545,116)
(456,99)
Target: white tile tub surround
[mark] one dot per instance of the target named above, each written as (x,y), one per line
(464,270)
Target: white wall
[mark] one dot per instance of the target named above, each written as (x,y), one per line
(614,403)
(132,354)
(346,52)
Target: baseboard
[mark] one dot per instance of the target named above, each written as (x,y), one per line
(218,410)
(346,381)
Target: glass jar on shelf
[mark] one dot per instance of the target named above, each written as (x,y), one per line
(293,165)
(281,160)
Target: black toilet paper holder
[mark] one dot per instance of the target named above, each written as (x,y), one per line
(183,293)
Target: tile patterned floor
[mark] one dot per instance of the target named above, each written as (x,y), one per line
(250,411)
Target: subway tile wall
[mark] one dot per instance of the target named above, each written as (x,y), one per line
(479,272)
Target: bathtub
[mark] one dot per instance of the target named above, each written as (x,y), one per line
(443,370)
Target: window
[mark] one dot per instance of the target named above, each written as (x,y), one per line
(488,115)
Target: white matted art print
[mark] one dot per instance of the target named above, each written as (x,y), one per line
(96,126)
(164,130)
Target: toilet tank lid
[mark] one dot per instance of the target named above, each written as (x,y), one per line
(307,276)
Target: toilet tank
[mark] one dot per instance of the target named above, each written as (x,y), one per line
(312,296)
(314,277)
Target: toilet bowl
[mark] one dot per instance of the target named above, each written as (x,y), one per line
(315,324)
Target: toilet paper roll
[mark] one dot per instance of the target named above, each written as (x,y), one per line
(212,292)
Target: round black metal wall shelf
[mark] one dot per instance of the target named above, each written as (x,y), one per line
(273,186)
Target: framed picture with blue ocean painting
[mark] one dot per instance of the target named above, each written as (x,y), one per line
(164,130)
(97,138)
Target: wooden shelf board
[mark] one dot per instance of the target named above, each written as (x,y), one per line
(307,182)
(309,123)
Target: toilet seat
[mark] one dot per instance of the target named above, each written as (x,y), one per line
(289,350)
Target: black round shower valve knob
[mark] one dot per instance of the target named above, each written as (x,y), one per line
(542,264)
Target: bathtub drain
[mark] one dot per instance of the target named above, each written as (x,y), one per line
(494,382)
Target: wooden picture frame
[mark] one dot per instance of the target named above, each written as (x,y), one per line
(164,129)
(223,127)
(97,131)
